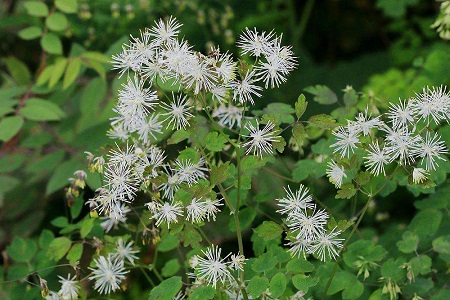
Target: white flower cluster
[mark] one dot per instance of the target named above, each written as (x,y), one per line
(212,269)
(307,225)
(110,270)
(408,138)
(70,287)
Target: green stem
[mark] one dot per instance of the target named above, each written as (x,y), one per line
(343,246)
(147,277)
(300,29)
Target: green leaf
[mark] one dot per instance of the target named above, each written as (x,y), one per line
(167,289)
(7,183)
(96,56)
(169,242)
(51,44)
(178,136)
(219,174)
(96,66)
(269,230)
(45,75)
(170,268)
(11,162)
(299,133)
(246,217)
(30,33)
(392,268)
(323,146)
(299,265)
(9,127)
(277,285)
(279,144)
(36,8)
(37,109)
(56,22)
(350,97)
(346,192)
(59,247)
(215,142)
(303,282)
(322,121)
(22,250)
(421,264)
(394,9)
(67,6)
(264,263)
(46,163)
(75,253)
(72,71)
(61,173)
(442,244)
(426,223)
(300,106)
(363,248)
(257,285)
(45,238)
(86,226)
(409,242)
(282,112)
(60,222)
(77,206)
(18,70)
(191,236)
(322,94)
(202,293)
(58,71)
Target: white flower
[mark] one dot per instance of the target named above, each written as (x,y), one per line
(293,203)
(433,104)
(177,112)
(347,138)
(254,43)
(401,144)
(69,287)
(212,208)
(430,149)
(200,76)
(213,269)
(189,172)
(135,101)
(195,211)
(108,274)
(164,31)
(118,131)
(225,67)
(401,114)
(165,213)
(419,175)
(327,244)
(219,93)
(228,115)
(169,187)
(237,262)
(308,226)
(300,246)
(260,140)
(243,90)
(149,127)
(376,159)
(335,173)
(115,217)
(126,61)
(364,123)
(125,251)
(148,162)
(121,181)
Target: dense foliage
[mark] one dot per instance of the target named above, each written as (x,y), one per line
(262,150)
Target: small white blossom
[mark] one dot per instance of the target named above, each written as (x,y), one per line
(115,217)
(123,251)
(335,173)
(401,114)
(308,225)
(346,140)
(245,88)
(189,172)
(108,274)
(213,269)
(419,175)
(376,159)
(293,203)
(166,212)
(228,115)
(364,123)
(178,112)
(255,43)
(237,262)
(327,244)
(69,287)
(260,140)
(164,31)
(430,149)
